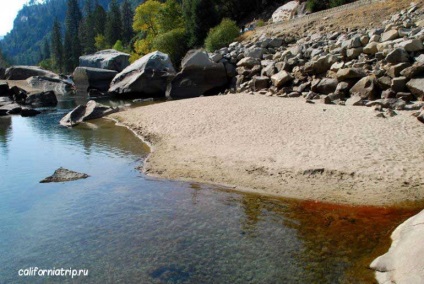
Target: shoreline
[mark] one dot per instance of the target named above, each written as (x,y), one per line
(311,183)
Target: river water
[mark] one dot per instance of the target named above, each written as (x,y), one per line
(124,227)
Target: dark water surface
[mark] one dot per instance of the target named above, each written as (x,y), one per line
(126,228)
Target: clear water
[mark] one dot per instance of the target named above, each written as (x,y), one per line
(127,228)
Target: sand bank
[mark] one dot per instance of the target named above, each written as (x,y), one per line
(285,147)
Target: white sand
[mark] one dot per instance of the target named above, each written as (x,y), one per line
(265,144)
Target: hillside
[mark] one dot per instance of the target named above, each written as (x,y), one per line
(33,25)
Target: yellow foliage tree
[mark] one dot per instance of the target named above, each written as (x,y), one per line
(146,17)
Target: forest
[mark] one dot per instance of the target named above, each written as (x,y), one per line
(54,33)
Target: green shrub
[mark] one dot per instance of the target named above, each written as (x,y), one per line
(336,3)
(260,23)
(221,35)
(174,43)
(315,5)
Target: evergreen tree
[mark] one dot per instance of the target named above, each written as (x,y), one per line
(46,50)
(99,18)
(57,47)
(72,46)
(86,30)
(200,16)
(113,29)
(127,19)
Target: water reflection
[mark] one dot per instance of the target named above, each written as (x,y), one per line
(5,126)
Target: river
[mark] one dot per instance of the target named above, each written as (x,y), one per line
(125,227)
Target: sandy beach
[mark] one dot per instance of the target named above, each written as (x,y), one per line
(285,147)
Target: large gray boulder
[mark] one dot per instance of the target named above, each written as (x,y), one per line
(109,59)
(46,84)
(86,78)
(92,110)
(20,72)
(149,76)
(404,261)
(199,76)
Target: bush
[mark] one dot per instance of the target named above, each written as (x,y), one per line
(174,43)
(260,23)
(222,35)
(315,5)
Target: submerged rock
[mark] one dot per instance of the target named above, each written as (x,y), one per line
(62,175)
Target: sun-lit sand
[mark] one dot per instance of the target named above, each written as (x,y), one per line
(285,147)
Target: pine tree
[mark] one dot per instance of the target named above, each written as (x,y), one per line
(57,47)
(72,46)
(113,29)
(127,19)
(99,16)
(200,16)
(86,29)
(46,50)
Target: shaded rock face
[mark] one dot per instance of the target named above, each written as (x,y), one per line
(403,263)
(63,175)
(366,88)
(56,85)
(148,76)
(109,59)
(87,78)
(92,110)
(24,72)
(199,76)
(44,99)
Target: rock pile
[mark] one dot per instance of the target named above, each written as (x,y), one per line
(381,68)
(17,101)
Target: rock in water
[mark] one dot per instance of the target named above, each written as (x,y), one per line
(24,72)
(87,78)
(82,113)
(62,175)
(147,76)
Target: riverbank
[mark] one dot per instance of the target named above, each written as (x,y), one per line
(284,147)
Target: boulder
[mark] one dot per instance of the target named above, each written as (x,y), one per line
(109,59)
(58,85)
(322,65)
(411,45)
(149,76)
(87,78)
(398,55)
(403,263)
(43,99)
(366,88)
(350,73)
(199,76)
(11,108)
(248,62)
(4,89)
(389,35)
(281,78)
(19,72)
(92,110)
(27,112)
(63,175)
(413,71)
(259,83)
(286,12)
(371,48)
(416,86)
(326,86)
